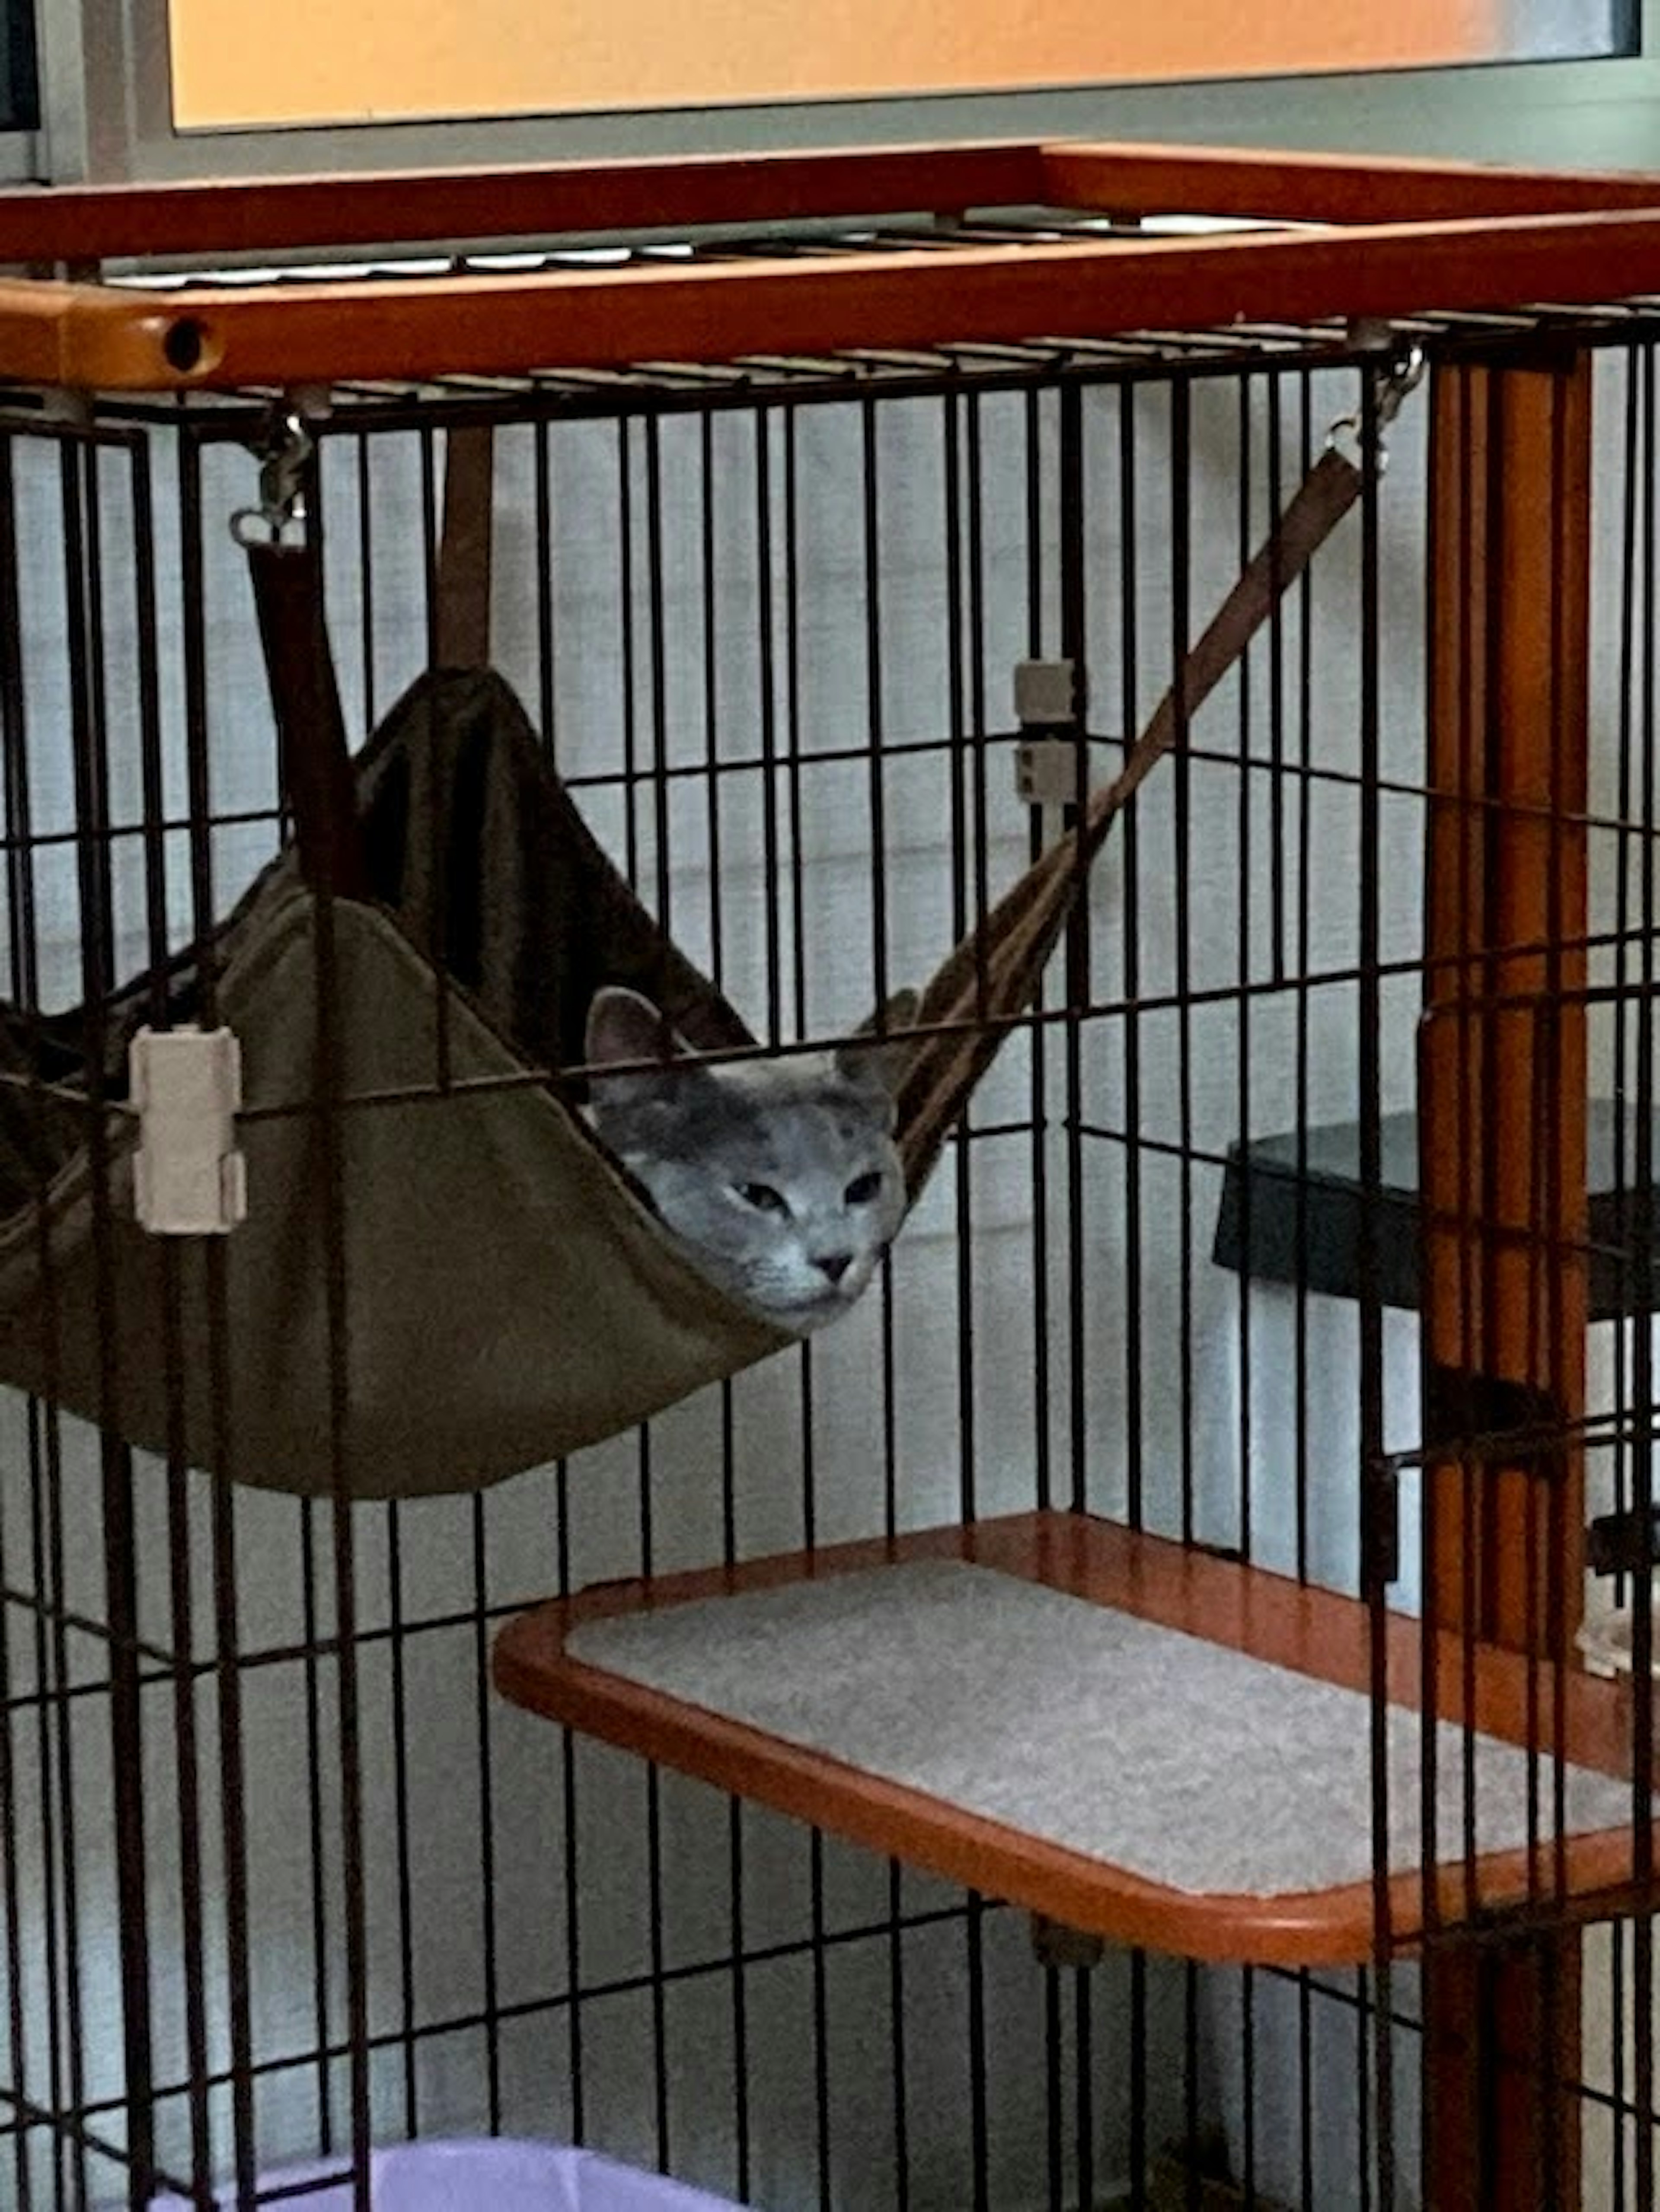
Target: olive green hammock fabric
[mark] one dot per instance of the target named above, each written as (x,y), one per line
(445,1279)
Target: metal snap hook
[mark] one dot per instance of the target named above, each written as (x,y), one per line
(280,518)
(1348,433)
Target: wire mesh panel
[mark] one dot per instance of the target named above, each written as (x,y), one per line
(1299,1230)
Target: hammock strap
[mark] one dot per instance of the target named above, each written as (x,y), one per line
(993,975)
(461,635)
(288,588)
(1327,494)
(313,752)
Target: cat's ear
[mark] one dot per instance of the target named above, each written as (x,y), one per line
(640,1106)
(622,1025)
(884,1061)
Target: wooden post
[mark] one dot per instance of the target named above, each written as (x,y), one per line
(1502,1137)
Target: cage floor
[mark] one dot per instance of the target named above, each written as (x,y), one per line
(1135,1739)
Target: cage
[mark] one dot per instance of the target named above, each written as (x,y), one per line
(1154,1706)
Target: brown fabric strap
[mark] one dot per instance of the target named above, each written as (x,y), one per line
(462,629)
(1327,494)
(311,730)
(993,975)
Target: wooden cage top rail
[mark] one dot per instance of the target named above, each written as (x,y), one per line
(79,225)
(1340,237)
(1308,1630)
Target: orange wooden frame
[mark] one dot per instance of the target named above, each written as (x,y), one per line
(1502,1121)
(1313,1631)
(1385,237)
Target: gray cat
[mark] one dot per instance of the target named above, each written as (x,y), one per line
(779,1177)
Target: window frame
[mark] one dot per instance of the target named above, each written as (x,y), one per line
(105,115)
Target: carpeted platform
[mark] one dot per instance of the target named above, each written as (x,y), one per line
(1182,1762)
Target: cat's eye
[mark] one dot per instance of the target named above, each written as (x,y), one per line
(763,1197)
(863,1189)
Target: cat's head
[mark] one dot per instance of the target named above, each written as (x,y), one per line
(779,1177)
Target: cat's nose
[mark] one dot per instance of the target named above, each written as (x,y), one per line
(834,1264)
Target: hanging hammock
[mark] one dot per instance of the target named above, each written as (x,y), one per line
(508,1295)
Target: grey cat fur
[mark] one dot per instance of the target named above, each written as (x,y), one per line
(779,1178)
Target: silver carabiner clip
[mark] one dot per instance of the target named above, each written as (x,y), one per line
(1343,436)
(1402,381)
(280,517)
(1347,435)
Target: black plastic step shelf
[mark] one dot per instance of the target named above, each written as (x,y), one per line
(1292,1206)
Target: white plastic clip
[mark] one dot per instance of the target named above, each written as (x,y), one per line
(1047,772)
(1609,1641)
(188,1178)
(1047,765)
(1045,692)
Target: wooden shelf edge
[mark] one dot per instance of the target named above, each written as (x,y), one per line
(1313,1631)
